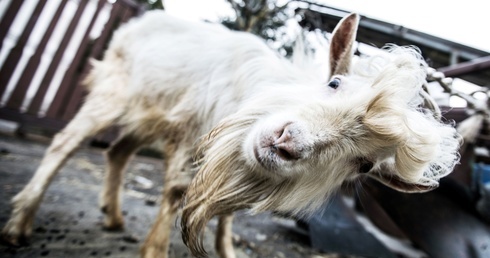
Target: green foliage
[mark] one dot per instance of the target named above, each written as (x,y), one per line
(152,4)
(265,18)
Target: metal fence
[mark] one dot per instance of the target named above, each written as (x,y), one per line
(45,46)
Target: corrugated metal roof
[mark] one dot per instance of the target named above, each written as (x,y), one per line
(439,53)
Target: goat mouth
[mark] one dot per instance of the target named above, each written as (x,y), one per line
(258,158)
(264,162)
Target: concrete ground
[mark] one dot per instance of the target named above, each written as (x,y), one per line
(68,223)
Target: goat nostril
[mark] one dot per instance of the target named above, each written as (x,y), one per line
(283,135)
(284,145)
(285,153)
(280,133)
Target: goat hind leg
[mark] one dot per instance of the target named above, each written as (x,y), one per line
(177,168)
(110,199)
(224,237)
(91,119)
(157,242)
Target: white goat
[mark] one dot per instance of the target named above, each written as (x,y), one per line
(275,137)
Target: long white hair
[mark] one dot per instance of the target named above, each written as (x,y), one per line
(367,120)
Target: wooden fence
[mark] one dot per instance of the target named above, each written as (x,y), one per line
(45,46)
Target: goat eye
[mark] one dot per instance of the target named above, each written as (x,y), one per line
(334,83)
(365,167)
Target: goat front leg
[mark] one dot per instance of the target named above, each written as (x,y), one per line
(117,157)
(224,237)
(90,120)
(26,203)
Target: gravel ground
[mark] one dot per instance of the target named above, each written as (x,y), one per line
(68,223)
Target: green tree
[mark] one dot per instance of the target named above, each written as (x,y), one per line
(265,18)
(152,4)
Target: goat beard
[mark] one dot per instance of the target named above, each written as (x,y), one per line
(224,182)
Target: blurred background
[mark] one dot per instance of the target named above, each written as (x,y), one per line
(45,46)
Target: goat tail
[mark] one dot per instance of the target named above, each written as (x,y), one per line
(111,72)
(106,83)
(89,81)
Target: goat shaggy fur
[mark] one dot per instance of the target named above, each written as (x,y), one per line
(268,134)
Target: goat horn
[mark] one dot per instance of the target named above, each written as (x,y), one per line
(430,103)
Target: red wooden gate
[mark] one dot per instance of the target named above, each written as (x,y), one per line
(45,46)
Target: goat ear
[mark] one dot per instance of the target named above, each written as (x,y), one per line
(341,43)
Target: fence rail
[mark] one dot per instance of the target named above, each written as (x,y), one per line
(45,46)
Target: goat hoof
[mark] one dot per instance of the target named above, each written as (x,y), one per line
(14,240)
(113,227)
(151,252)
(104,209)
